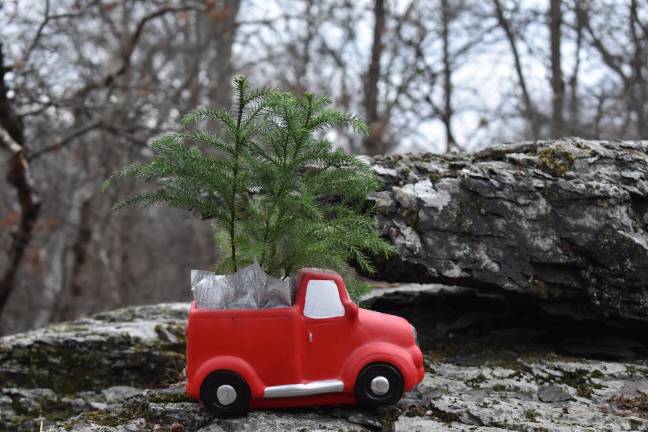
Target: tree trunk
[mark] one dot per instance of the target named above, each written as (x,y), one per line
(557,82)
(222,31)
(301,85)
(373,143)
(65,306)
(446,115)
(574,100)
(639,92)
(18,175)
(529,111)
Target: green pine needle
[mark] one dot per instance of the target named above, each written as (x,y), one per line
(275,189)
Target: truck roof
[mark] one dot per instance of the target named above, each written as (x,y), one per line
(312,270)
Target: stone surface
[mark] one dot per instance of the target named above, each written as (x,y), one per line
(503,395)
(561,222)
(474,387)
(133,346)
(553,393)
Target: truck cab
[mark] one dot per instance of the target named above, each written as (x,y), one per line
(322,350)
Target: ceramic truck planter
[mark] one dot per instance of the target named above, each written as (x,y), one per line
(321,350)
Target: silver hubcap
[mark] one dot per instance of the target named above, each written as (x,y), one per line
(380,385)
(226,394)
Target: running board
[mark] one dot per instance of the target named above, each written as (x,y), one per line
(312,388)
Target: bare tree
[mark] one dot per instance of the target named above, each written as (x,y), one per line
(86,85)
(574,97)
(221,34)
(446,114)
(557,81)
(628,66)
(105,118)
(530,111)
(639,93)
(12,139)
(374,141)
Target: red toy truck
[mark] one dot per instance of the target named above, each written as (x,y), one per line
(322,350)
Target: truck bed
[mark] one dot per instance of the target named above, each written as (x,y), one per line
(227,333)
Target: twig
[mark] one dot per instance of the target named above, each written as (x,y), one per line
(66,141)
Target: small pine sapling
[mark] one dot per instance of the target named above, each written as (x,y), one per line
(271,182)
(212,183)
(311,207)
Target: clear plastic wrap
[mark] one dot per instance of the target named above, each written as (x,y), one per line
(248,288)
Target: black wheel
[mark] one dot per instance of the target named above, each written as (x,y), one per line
(379,384)
(225,393)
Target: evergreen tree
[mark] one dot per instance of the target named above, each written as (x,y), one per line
(212,183)
(311,198)
(276,189)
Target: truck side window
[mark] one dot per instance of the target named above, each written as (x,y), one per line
(322,300)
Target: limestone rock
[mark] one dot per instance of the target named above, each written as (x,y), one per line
(132,346)
(553,393)
(482,394)
(561,222)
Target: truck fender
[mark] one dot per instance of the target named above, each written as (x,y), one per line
(378,352)
(232,364)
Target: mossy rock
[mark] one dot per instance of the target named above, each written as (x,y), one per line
(556,159)
(97,353)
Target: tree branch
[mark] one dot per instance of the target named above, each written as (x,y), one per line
(608,58)
(19,176)
(134,39)
(65,141)
(41,28)
(529,108)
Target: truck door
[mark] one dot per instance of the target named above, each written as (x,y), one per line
(326,331)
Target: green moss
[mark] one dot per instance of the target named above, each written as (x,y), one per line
(90,365)
(438,175)
(170,398)
(470,208)
(411,216)
(477,381)
(538,288)
(444,416)
(171,337)
(415,410)
(27,417)
(161,333)
(531,415)
(178,331)
(21,422)
(581,380)
(517,375)
(597,374)
(631,370)
(103,418)
(131,411)
(558,160)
